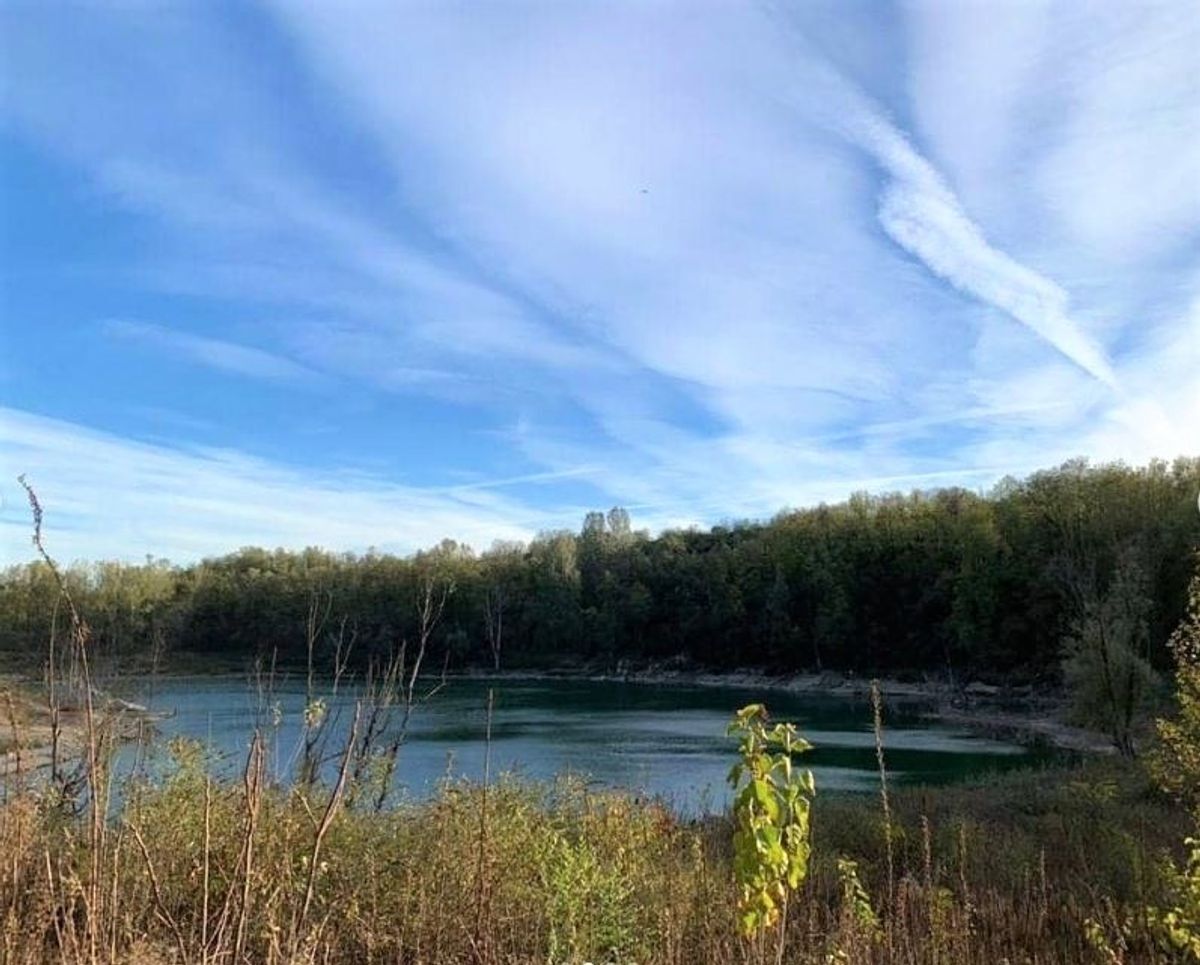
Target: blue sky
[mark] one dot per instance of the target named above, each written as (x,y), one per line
(354,274)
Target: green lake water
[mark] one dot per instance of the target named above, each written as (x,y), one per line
(661,740)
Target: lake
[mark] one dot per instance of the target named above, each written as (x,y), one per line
(662,740)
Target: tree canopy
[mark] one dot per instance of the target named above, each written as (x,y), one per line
(945,580)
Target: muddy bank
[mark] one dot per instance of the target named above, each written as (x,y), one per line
(27,727)
(1027,727)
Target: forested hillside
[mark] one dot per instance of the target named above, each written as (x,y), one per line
(948,579)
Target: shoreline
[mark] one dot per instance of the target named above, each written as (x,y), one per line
(27,729)
(978,707)
(831,684)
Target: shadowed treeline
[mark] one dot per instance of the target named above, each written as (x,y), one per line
(947,580)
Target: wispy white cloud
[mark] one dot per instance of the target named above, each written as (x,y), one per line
(926,220)
(921,213)
(105,496)
(215,353)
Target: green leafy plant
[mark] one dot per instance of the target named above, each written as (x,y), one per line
(858,929)
(771,808)
(1179,925)
(856,903)
(1176,760)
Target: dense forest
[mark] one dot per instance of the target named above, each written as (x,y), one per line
(946,581)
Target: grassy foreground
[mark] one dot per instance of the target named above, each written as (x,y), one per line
(1019,869)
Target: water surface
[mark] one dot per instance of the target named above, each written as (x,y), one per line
(662,740)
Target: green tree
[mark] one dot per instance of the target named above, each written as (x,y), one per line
(1106,651)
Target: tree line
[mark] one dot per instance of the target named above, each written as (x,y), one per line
(949,580)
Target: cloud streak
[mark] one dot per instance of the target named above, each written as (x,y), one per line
(107,496)
(214,353)
(921,214)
